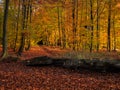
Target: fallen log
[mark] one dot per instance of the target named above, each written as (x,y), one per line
(39,61)
(97,65)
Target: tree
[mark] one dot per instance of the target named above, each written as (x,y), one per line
(26,13)
(18,17)
(59,24)
(114,31)
(97,25)
(75,22)
(63,19)
(4,43)
(109,26)
(22,43)
(29,17)
(91,20)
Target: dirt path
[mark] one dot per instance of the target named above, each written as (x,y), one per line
(42,51)
(39,51)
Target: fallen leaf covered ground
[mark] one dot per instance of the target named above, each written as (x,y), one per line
(17,76)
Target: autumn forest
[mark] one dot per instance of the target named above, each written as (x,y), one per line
(81,36)
(88,25)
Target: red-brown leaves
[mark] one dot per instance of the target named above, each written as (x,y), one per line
(20,77)
(17,76)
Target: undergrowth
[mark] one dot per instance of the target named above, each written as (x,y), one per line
(93,55)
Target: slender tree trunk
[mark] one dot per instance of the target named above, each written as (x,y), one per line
(5,51)
(91,19)
(22,43)
(86,19)
(76,24)
(31,11)
(18,16)
(29,16)
(59,25)
(74,17)
(114,32)
(98,28)
(64,30)
(109,27)
(79,33)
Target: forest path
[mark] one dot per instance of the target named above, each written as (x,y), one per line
(57,52)
(38,51)
(42,51)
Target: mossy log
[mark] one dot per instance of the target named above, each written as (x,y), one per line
(98,65)
(39,61)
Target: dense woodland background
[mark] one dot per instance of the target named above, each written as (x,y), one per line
(86,25)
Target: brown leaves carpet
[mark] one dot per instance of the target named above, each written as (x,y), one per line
(17,76)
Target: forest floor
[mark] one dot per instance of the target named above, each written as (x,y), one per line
(18,76)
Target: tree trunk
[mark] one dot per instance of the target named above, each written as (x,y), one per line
(29,17)
(59,25)
(24,12)
(114,32)
(91,19)
(79,32)
(62,29)
(98,28)
(5,51)
(86,19)
(75,19)
(109,27)
(18,16)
